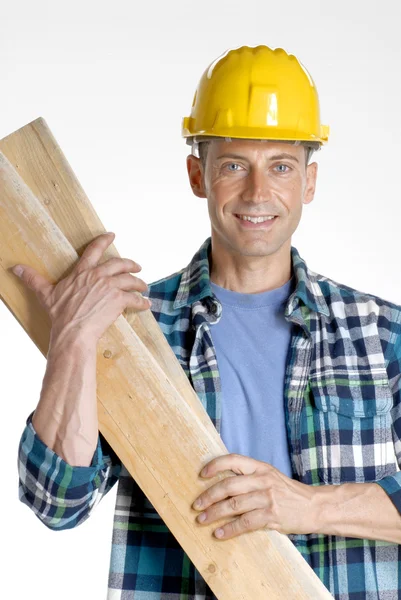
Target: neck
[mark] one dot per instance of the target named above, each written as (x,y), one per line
(250,274)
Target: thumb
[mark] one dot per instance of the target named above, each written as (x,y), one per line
(33,280)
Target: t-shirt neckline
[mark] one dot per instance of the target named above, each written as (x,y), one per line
(240,300)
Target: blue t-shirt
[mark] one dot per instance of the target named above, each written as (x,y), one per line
(252,340)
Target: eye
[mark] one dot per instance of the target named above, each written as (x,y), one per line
(280,170)
(228,165)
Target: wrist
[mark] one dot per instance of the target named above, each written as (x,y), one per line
(327,500)
(339,507)
(70,339)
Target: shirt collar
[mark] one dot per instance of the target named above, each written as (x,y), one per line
(195,283)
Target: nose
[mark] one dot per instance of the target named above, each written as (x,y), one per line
(258,188)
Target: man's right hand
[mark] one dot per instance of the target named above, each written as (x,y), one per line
(92,296)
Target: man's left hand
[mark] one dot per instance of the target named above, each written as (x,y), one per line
(260,497)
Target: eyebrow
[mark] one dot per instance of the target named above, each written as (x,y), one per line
(274,157)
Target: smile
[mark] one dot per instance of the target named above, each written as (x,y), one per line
(261,219)
(250,222)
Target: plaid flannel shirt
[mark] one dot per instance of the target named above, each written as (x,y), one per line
(342,396)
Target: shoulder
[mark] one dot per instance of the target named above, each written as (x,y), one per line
(334,290)
(358,308)
(173,318)
(166,288)
(163,294)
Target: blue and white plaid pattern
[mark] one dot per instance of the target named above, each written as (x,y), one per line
(342,398)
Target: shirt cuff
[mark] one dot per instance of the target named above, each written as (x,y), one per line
(392,486)
(40,453)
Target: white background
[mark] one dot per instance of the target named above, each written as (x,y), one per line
(113,80)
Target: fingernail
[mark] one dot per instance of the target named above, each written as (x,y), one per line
(219,533)
(197,504)
(18,270)
(202,517)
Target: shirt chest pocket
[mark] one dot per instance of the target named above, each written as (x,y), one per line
(348,438)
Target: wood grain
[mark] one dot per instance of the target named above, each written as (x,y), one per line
(40,162)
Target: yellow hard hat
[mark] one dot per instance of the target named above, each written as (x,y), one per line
(256,93)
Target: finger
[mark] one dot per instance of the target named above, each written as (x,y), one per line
(94,251)
(135,301)
(237,505)
(250,521)
(128,282)
(34,281)
(231,486)
(242,465)
(116,265)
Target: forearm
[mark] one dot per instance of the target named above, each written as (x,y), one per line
(66,416)
(361,510)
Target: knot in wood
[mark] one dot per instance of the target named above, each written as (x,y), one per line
(211,568)
(107,354)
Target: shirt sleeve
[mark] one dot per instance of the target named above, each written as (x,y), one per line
(62,496)
(392,483)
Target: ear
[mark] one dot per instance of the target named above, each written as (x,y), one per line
(311,176)
(195,175)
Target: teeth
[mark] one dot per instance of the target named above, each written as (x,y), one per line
(256,219)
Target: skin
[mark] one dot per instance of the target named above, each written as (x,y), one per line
(256,182)
(253,184)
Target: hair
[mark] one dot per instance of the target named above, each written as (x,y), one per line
(310,148)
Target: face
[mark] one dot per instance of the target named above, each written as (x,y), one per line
(249,178)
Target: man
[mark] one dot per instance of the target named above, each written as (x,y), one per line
(300,374)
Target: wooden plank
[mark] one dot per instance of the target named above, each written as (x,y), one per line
(40,162)
(260,564)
